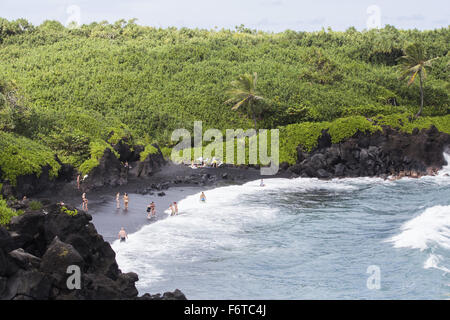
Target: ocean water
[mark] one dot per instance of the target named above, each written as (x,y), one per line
(301,239)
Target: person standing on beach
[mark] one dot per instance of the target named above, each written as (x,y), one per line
(84,200)
(175,206)
(122,235)
(118,200)
(78,181)
(125,200)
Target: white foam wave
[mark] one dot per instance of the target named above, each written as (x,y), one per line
(430,227)
(214,228)
(445,171)
(434,261)
(218,227)
(430,230)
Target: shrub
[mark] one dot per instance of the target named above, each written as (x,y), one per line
(35,205)
(6,213)
(149,149)
(97,150)
(21,156)
(71,213)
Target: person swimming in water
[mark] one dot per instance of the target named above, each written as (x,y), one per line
(203,197)
(262,183)
(122,235)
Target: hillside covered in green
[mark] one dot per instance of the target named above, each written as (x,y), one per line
(79,91)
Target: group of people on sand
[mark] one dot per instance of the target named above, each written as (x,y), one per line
(126,199)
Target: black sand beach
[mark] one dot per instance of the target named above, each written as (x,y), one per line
(181,181)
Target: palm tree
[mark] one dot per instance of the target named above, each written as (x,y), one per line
(243,94)
(414,63)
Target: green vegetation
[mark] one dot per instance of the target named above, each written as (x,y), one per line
(149,149)
(71,213)
(415,63)
(97,149)
(306,134)
(20,155)
(244,96)
(35,205)
(6,213)
(76,92)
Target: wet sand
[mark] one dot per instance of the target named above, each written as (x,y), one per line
(108,219)
(102,202)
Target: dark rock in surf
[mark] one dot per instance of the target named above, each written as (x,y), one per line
(379,154)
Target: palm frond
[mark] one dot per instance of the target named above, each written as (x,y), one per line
(240,103)
(411,80)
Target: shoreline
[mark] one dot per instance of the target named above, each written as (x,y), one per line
(176,182)
(141,194)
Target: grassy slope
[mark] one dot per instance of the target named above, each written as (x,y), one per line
(81,85)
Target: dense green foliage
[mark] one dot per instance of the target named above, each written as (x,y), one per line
(414,63)
(97,149)
(6,213)
(20,155)
(306,134)
(149,149)
(75,92)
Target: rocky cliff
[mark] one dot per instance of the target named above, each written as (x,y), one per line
(39,249)
(379,154)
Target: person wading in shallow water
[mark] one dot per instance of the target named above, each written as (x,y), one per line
(118,200)
(203,197)
(153,209)
(149,211)
(84,204)
(172,210)
(122,235)
(125,200)
(175,206)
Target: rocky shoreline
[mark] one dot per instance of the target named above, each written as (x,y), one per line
(39,248)
(382,154)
